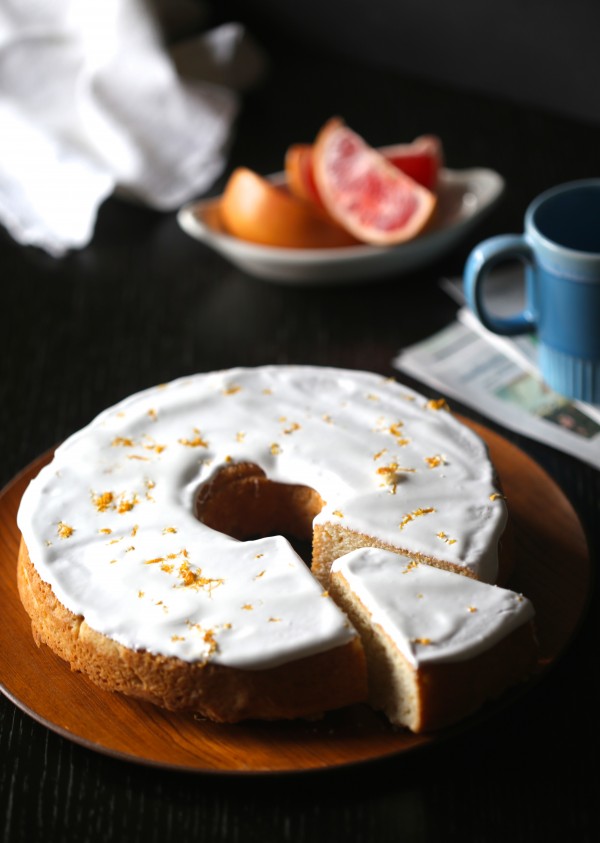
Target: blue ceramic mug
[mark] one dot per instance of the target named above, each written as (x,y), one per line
(561,251)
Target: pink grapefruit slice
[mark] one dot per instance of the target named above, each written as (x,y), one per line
(364,192)
(421,160)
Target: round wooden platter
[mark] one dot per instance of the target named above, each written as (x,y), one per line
(547,538)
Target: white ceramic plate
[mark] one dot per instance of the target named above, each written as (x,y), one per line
(463,197)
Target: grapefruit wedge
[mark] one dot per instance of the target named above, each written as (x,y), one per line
(254,209)
(299,173)
(421,159)
(364,192)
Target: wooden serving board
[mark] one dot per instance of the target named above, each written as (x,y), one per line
(548,540)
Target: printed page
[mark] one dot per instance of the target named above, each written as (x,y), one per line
(462,364)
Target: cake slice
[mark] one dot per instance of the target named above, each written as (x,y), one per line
(438,644)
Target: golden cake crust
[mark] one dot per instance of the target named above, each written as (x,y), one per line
(303,688)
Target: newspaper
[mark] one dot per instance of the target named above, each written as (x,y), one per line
(498,376)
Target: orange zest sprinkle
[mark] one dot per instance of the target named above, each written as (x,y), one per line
(416,513)
(438,404)
(396,431)
(194,579)
(64,530)
(196,442)
(103,501)
(127,505)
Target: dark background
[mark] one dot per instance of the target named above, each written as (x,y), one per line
(535,52)
(144,304)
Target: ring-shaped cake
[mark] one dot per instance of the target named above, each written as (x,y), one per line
(148,559)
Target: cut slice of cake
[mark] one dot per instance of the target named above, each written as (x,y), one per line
(438,644)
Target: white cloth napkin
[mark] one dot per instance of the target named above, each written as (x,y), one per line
(92,101)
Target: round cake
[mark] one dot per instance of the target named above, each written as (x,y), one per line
(154,559)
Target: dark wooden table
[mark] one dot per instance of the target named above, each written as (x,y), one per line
(144,304)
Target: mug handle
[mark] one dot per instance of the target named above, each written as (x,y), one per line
(484,258)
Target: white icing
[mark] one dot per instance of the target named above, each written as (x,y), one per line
(433,616)
(340,432)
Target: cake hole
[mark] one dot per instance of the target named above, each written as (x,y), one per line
(241,501)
